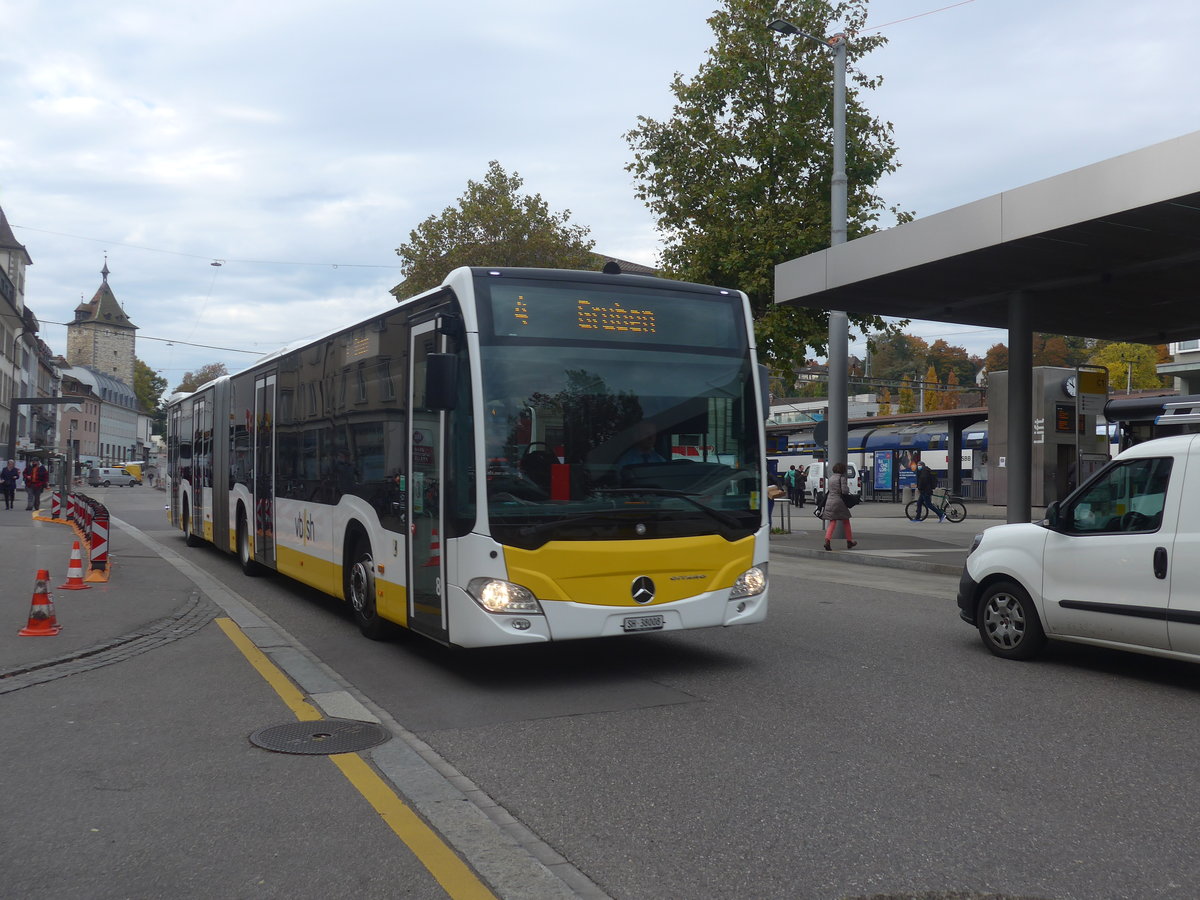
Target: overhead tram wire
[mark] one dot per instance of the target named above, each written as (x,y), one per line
(145,337)
(198,256)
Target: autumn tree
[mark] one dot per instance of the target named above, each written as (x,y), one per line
(203,375)
(492,225)
(996,359)
(908,401)
(885,402)
(738,178)
(898,355)
(1130,366)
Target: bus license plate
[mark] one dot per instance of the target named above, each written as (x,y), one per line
(643,623)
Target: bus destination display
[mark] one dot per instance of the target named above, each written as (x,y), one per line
(669,319)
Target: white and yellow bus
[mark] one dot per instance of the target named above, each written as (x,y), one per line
(520,455)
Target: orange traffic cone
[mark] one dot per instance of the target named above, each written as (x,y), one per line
(435,550)
(42,621)
(75,572)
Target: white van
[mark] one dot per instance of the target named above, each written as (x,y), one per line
(817,479)
(103,476)
(1115,564)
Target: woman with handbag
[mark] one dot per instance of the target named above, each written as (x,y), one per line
(836,509)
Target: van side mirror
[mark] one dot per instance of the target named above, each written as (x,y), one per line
(441,381)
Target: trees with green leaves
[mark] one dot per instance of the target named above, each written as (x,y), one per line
(492,225)
(203,375)
(738,178)
(1130,366)
(148,387)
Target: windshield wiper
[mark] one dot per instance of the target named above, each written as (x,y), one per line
(721,516)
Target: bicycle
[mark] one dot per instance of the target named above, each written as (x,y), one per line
(945,503)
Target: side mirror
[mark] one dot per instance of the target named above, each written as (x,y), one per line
(441,381)
(1053,515)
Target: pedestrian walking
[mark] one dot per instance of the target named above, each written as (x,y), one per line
(927,480)
(36,478)
(835,509)
(9,476)
(790,478)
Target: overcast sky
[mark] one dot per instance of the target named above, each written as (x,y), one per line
(299,143)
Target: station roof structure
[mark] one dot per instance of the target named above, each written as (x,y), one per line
(1111,250)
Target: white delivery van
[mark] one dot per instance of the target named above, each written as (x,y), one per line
(1116,563)
(104,476)
(818,479)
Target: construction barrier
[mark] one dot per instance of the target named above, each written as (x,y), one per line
(42,621)
(55,504)
(99,556)
(75,572)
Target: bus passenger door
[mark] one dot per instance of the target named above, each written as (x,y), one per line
(264,469)
(426,566)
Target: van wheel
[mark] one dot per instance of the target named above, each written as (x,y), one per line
(359,587)
(245,555)
(104,484)
(1008,622)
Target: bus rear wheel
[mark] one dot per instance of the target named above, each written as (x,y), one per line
(359,585)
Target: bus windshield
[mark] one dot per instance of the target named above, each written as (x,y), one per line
(587,438)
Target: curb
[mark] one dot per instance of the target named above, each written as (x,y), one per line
(867,559)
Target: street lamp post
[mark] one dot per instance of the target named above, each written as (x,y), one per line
(839,399)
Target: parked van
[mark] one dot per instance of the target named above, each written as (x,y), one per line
(1114,564)
(817,478)
(103,476)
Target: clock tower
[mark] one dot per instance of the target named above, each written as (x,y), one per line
(101,335)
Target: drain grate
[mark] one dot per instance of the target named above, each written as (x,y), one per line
(321,738)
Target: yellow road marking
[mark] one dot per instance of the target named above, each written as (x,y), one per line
(455,877)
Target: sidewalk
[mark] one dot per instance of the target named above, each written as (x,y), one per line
(886,537)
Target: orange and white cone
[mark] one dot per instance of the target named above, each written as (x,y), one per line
(42,621)
(435,550)
(75,572)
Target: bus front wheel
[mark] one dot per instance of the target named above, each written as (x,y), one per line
(359,577)
(188,538)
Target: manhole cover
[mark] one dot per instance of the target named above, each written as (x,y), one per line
(324,737)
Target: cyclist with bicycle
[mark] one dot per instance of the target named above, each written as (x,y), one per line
(927,480)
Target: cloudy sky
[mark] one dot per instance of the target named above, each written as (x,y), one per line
(299,143)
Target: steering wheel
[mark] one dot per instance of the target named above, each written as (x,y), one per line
(1135,521)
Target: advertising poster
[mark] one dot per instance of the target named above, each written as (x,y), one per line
(884,470)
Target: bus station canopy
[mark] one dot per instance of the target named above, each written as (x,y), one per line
(1111,250)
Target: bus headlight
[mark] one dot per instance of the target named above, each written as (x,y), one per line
(752,581)
(498,596)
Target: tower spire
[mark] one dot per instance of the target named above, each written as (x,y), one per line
(104,271)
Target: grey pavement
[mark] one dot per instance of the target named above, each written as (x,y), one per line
(885,536)
(102,732)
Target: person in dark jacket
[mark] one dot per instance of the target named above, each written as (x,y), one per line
(36,478)
(926,482)
(836,509)
(9,476)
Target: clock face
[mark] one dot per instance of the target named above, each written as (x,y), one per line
(1069,386)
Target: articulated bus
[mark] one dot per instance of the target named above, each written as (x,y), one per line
(518,456)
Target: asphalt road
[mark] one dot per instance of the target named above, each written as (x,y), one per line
(860,743)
